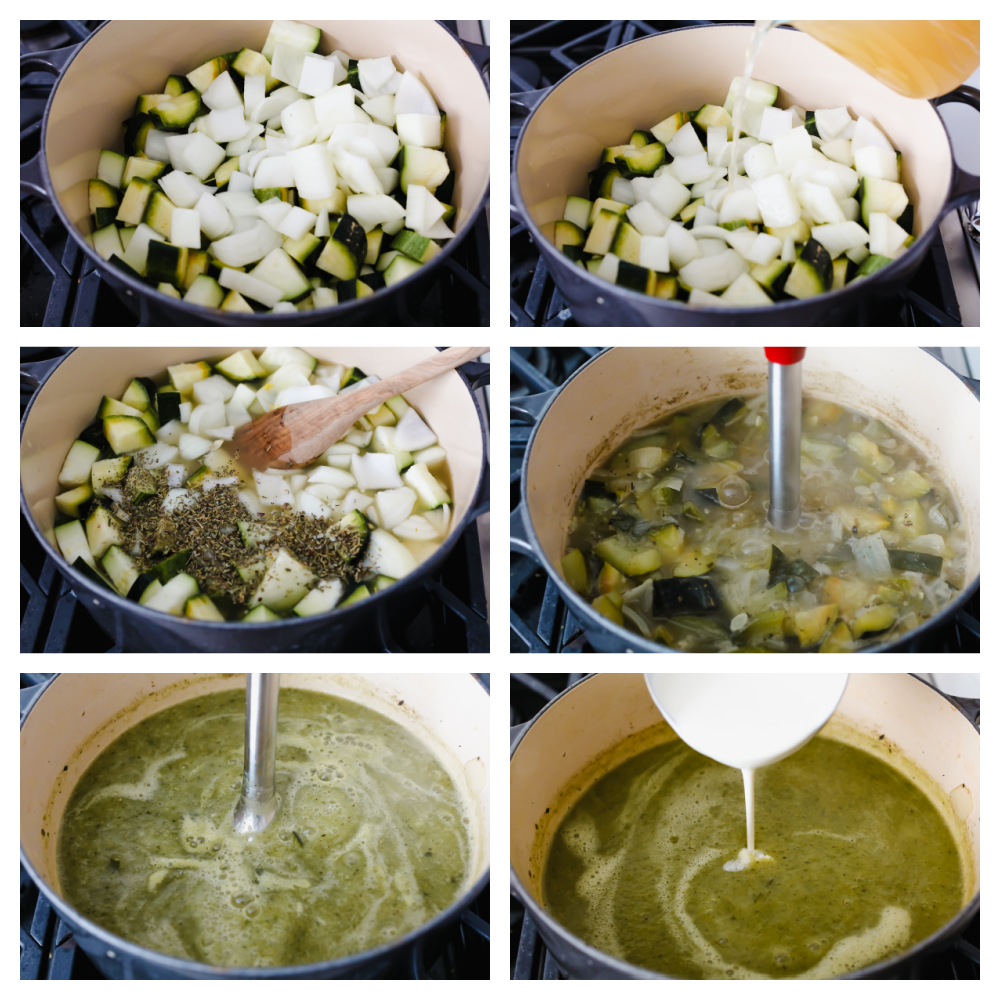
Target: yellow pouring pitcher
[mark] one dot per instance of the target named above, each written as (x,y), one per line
(921,59)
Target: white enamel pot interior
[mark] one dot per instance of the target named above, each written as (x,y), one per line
(68,400)
(919,725)
(627,387)
(122,59)
(600,103)
(78,715)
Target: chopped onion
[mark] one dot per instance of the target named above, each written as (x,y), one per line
(871,556)
(932,544)
(639,621)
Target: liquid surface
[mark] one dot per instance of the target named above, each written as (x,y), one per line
(671,537)
(369,843)
(862,866)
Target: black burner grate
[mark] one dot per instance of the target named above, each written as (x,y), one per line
(540,620)
(529,957)
(541,54)
(61,287)
(451,617)
(49,951)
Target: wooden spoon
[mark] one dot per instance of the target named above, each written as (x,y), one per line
(295,435)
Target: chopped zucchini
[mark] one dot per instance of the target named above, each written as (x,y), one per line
(626,558)
(873,620)
(813,626)
(812,273)
(70,502)
(602,234)
(127,434)
(76,468)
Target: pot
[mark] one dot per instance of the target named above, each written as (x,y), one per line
(604,710)
(627,387)
(98,83)
(600,101)
(449,712)
(65,403)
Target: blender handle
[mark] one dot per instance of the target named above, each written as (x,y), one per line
(965,186)
(785,355)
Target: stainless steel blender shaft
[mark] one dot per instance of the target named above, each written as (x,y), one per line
(260,800)
(784,397)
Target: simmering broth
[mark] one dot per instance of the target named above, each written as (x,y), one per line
(670,536)
(370,842)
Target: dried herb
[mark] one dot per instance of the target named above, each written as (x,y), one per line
(207,526)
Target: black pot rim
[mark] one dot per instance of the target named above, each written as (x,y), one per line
(186,968)
(628,971)
(593,620)
(888,275)
(123,605)
(198,314)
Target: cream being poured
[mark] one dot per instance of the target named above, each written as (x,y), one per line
(746,721)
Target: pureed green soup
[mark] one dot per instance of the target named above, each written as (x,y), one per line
(370,842)
(863,864)
(670,536)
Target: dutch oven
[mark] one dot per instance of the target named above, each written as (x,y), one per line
(625,388)
(69,392)
(77,715)
(638,84)
(99,79)
(603,710)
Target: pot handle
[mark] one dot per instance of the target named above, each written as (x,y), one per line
(965,187)
(482,504)
(969,707)
(480,55)
(515,733)
(972,384)
(34,373)
(477,373)
(32,181)
(54,61)
(519,533)
(530,408)
(527,100)
(515,212)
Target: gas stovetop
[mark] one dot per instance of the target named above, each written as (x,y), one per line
(451,618)
(543,52)
(529,957)
(542,622)
(49,951)
(61,287)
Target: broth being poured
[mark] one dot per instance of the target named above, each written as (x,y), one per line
(371,839)
(862,865)
(670,536)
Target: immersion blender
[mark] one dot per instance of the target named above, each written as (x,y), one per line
(784,404)
(260,800)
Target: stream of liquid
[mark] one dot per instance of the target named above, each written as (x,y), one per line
(919,59)
(760,30)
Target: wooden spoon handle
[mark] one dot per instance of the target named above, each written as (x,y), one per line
(371,395)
